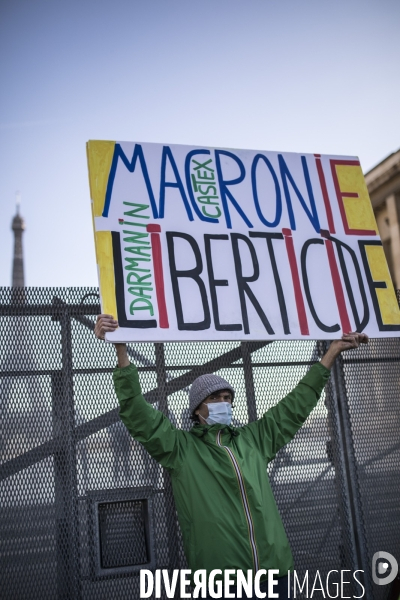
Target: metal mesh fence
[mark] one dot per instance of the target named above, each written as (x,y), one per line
(84,507)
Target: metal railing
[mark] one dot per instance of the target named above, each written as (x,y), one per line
(63,450)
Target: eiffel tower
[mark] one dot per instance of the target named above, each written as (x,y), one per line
(21,394)
(18,227)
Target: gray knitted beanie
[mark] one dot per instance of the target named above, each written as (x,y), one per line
(205,385)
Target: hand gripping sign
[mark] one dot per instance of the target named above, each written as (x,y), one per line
(200,243)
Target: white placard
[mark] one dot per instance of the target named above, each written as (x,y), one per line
(202,244)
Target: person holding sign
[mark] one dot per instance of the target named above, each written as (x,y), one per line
(227,513)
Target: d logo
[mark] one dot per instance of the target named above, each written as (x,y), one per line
(381,561)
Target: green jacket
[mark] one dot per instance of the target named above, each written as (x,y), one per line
(226,509)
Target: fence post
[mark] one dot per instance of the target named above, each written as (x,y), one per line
(346,470)
(171,517)
(65,472)
(249,382)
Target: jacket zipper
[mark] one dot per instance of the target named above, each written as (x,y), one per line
(244,500)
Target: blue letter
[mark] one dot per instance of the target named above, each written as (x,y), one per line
(223,187)
(277,190)
(177,184)
(137,154)
(189,185)
(285,173)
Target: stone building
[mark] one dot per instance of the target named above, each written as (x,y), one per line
(383,182)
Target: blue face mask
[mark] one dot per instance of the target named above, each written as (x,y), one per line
(219,412)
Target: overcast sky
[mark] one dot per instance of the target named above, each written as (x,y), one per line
(289,75)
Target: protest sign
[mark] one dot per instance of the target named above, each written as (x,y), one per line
(197,243)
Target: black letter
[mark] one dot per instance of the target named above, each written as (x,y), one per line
(327,328)
(281,298)
(192,274)
(216,282)
(242,282)
(360,325)
(374,285)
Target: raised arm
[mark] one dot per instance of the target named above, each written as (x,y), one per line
(146,424)
(348,341)
(281,422)
(107,324)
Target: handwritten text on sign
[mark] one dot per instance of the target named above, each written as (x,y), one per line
(211,244)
